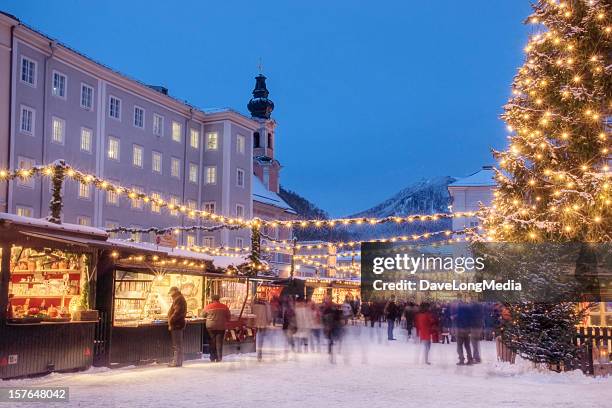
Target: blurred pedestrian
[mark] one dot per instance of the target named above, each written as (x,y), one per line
(425,321)
(463,323)
(263,318)
(391,312)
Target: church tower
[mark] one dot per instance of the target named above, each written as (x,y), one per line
(265,166)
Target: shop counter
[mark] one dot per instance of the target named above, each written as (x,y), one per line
(150,342)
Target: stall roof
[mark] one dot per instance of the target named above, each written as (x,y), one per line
(19,221)
(219,261)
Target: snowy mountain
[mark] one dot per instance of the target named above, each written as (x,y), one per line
(426,196)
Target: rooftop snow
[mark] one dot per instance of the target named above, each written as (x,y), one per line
(43,223)
(482,178)
(262,195)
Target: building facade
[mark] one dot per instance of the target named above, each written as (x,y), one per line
(468,193)
(56,103)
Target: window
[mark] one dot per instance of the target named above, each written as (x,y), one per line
(256,141)
(239,210)
(24,211)
(137,152)
(212,141)
(113,148)
(155,196)
(174,200)
(28,71)
(209,207)
(270,141)
(26,124)
(191,240)
(25,163)
(194,138)
(176,131)
(239,242)
(59,85)
(84,191)
(112,198)
(156,162)
(240,144)
(139,117)
(240,178)
(209,241)
(192,206)
(193,172)
(114,107)
(109,225)
(175,167)
(211,175)
(158,125)
(266,177)
(136,236)
(137,202)
(84,220)
(87,97)
(86,139)
(58,130)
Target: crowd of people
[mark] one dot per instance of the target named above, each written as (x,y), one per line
(305,323)
(308,326)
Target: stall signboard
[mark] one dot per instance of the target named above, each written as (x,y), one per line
(166,240)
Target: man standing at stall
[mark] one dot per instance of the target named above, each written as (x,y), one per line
(176,325)
(217,315)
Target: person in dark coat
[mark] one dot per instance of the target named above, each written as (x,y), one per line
(409,314)
(365,312)
(476,330)
(217,315)
(176,325)
(391,312)
(463,323)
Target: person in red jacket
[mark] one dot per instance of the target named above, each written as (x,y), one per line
(217,315)
(424,322)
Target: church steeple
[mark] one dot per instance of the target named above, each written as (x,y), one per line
(260,106)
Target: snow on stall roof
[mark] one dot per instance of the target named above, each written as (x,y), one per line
(262,195)
(43,223)
(484,177)
(219,261)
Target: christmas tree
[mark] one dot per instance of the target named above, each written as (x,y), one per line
(553,180)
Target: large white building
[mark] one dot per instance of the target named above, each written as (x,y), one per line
(469,193)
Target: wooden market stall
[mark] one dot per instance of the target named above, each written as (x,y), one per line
(133,299)
(48,272)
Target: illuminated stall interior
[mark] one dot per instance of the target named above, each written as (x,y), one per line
(46,284)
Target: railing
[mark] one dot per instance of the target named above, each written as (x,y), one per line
(596,345)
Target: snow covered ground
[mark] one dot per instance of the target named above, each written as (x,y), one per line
(369,372)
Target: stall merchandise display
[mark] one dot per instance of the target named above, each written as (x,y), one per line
(45,284)
(142,298)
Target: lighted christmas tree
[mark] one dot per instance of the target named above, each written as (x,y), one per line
(553,181)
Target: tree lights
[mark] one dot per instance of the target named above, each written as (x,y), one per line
(559,145)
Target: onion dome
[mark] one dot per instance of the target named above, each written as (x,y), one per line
(259,105)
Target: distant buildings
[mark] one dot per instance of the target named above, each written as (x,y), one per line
(467,193)
(56,103)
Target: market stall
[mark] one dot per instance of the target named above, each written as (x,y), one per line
(133,298)
(48,271)
(336,289)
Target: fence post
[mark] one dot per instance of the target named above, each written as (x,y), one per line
(56,203)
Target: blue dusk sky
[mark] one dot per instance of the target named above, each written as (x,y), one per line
(370,95)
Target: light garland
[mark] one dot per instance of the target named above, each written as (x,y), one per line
(351,244)
(132,194)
